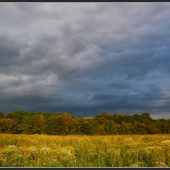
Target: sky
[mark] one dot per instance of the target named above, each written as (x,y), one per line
(85,58)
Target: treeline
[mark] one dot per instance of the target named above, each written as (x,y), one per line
(17,122)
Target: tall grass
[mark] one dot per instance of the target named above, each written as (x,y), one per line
(84,151)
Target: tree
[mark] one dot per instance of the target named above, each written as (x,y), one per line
(146,114)
(36,124)
(61,126)
(140,127)
(100,120)
(87,128)
(94,125)
(11,126)
(168,123)
(143,131)
(75,129)
(81,121)
(17,117)
(125,128)
(118,118)
(1,115)
(158,125)
(101,129)
(68,122)
(27,124)
(166,127)
(130,128)
(110,127)
(152,129)
(53,125)
(8,115)
(8,126)
(136,117)
(119,128)
(146,119)
(47,122)
(57,125)
(39,125)
(59,113)
(42,124)
(2,125)
(128,119)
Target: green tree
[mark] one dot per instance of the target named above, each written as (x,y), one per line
(165,128)
(87,128)
(8,126)
(59,113)
(1,115)
(42,124)
(47,121)
(128,119)
(136,117)
(81,121)
(57,125)
(17,116)
(94,125)
(75,129)
(152,129)
(101,129)
(143,131)
(110,127)
(39,125)
(68,122)
(168,123)
(158,125)
(2,125)
(100,120)
(27,124)
(118,118)
(119,129)
(8,115)
(130,128)
(53,125)
(146,114)
(36,124)
(146,119)
(125,128)
(140,127)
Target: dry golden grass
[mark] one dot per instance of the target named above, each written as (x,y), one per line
(84,151)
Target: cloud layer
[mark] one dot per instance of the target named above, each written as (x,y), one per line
(85,58)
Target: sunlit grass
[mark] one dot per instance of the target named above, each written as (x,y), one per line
(84,151)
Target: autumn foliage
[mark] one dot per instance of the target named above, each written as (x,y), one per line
(17,122)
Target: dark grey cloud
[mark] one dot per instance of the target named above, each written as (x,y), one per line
(119,85)
(85,58)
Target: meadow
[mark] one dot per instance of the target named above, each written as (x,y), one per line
(20,150)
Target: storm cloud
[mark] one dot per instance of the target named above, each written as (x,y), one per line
(85,58)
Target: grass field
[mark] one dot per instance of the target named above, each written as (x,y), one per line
(84,151)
